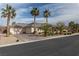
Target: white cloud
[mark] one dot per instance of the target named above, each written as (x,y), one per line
(28,20)
(63,12)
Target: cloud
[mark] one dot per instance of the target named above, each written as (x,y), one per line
(62,12)
(59,12)
(26,20)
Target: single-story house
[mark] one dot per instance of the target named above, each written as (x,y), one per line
(20,28)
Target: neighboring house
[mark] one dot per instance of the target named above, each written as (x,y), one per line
(22,28)
(30,28)
(57,31)
(17,28)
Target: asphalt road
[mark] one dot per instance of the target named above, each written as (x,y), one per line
(68,46)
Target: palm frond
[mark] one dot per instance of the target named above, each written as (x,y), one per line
(46,13)
(35,12)
(8,11)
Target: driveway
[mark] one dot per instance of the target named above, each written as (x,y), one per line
(66,46)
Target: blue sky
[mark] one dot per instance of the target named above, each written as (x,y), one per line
(60,12)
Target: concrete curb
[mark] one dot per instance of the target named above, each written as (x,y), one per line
(17,43)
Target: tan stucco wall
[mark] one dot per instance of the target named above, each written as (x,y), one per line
(15,30)
(37,30)
(28,30)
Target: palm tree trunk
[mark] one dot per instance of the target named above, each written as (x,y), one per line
(46,20)
(46,24)
(8,28)
(45,34)
(60,32)
(34,24)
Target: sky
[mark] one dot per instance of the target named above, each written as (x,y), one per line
(59,12)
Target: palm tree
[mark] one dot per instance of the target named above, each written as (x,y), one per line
(35,12)
(47,29)
(46,15)
(8,13)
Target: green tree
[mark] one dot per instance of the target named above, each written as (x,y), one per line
(46,15)
(76,27)
(46,26)
(35,12)
(9,13)
(72,26)
(60,26)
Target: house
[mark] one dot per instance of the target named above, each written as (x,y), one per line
(30,28)
(17,28)
(22,28)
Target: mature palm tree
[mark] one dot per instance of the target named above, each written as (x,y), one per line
(46,15)
(9,13)
(35,12)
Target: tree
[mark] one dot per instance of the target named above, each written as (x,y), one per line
(46,26)
(9,13)
(72,26)
(77,27)
(60,26)
(46,15)
(35,12)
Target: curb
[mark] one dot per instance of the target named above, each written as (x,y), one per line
(17,43)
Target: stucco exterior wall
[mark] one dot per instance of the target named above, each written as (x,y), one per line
(28,30)
(37,30)
(15,30)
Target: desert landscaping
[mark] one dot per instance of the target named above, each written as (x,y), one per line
(23,32)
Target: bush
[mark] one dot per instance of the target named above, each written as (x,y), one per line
(50,34)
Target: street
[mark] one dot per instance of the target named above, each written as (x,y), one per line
(67,46)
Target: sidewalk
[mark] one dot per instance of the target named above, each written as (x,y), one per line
(9,41)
